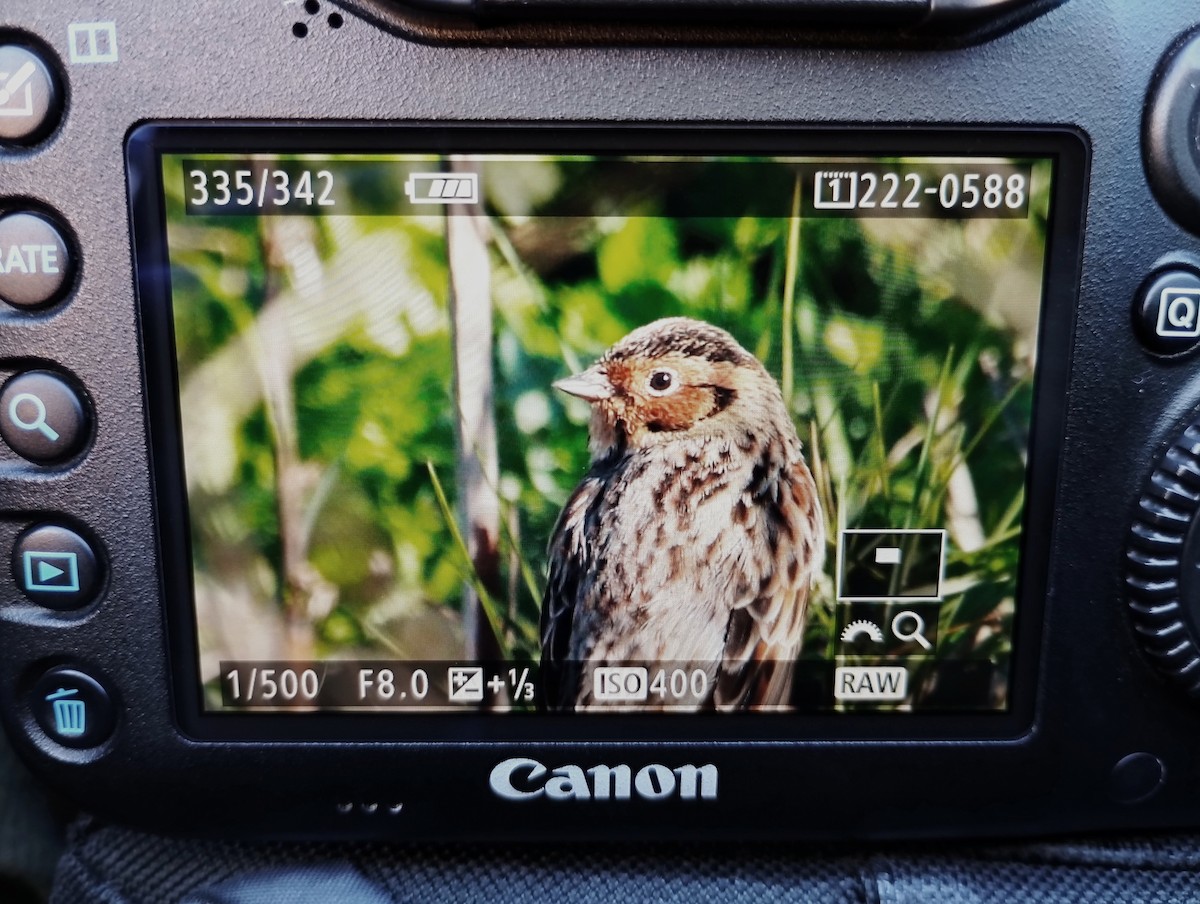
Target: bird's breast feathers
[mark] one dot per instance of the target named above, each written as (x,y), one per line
(679,538)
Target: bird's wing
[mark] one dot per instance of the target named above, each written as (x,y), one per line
(571,553)
(766,628)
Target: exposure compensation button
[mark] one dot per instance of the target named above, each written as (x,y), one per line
(42,417)
(73,708)
(35,260)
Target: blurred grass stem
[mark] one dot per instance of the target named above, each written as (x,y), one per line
(492,610)
(787,353)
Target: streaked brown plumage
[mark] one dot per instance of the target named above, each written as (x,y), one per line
(695,535)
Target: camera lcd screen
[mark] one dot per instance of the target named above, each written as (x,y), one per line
(498,432)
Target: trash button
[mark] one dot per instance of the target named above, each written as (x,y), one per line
(73,708)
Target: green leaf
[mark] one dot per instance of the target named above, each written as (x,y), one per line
(644,249)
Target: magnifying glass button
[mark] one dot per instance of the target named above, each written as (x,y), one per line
(909,627)
(42,417)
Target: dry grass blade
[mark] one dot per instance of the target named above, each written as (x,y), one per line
(492,610)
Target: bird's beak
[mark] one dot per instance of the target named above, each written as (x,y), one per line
(591,385)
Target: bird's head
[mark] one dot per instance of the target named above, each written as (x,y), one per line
(675,378)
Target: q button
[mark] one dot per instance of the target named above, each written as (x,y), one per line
(1166,313)
(42,417)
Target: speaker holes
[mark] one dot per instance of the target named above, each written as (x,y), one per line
(368,808)
(313,7)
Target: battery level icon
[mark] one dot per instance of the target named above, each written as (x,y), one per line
(442,188)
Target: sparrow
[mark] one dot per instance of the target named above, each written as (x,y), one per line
(696,534)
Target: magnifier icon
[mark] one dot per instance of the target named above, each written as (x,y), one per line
(917,633)
(38,422)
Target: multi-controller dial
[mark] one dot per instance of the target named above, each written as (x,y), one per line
(1163,562)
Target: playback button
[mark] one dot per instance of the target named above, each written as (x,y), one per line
(55,567)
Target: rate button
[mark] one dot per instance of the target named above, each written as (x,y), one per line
(35,260)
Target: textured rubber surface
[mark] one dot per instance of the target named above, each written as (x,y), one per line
(108,865)
(30,838)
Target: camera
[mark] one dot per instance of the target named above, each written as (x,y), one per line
(480,421)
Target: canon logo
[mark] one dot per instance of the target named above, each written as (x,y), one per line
(522,778)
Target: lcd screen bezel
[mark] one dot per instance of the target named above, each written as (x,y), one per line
(146,144)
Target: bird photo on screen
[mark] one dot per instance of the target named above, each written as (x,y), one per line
(696,534)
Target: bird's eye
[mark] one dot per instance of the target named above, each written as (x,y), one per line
(662,382)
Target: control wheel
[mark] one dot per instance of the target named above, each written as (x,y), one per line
(1163,563)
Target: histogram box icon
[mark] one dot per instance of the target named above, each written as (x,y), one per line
(891,564)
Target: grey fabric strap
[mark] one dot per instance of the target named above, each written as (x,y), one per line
(117,866)
(304,885)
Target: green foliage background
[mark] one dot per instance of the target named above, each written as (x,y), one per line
(905,347)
